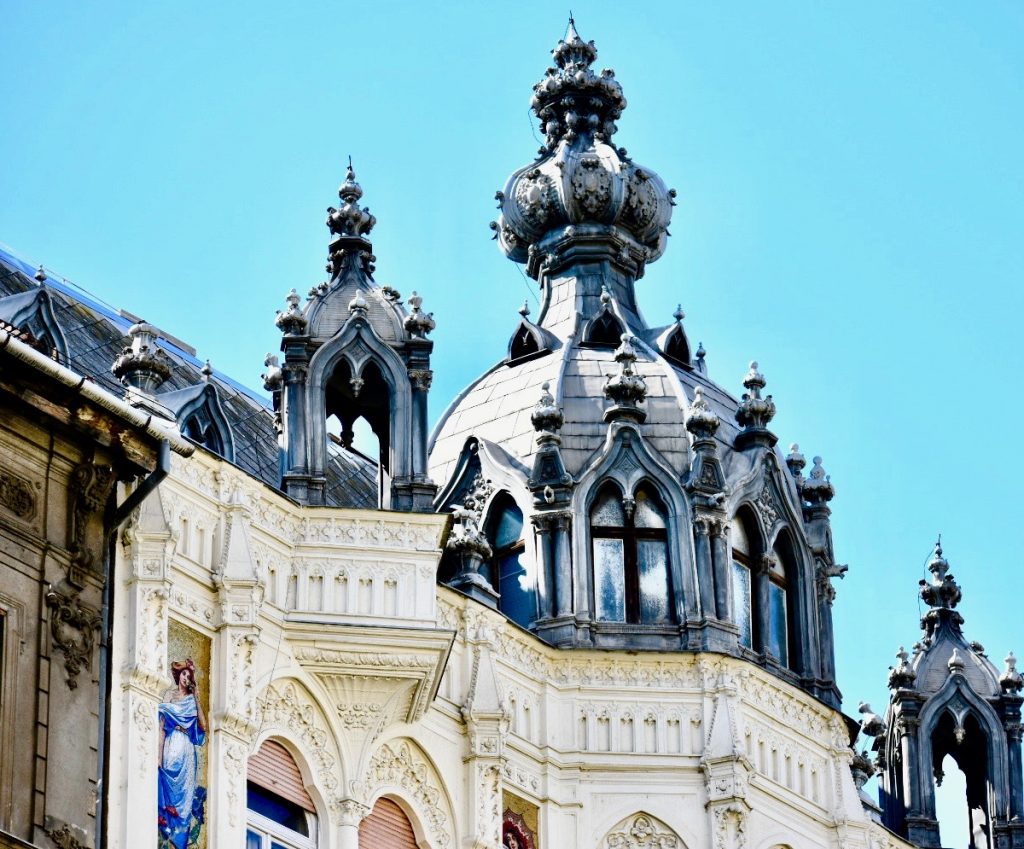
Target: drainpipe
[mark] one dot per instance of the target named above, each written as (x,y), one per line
(121,514)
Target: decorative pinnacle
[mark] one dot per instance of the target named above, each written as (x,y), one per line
(754,412)
(943,591)
(796,462)
(679,315)
(546,416)
(273,377)
(627,388)
(206,371)
(956,662)
(350,220)
(358,303)
(818,489)
(572,99)
(524,310)
(418,323)
(1011,680)
(901,675)
(291,322)
(141,364)
(701,420)
(871,725)
(701,353)
(606,296)
(40,274)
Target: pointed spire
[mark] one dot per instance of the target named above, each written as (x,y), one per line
(1011,680)
(706,476)
(754,412)
(141,364)
(549,481)
(627,389)
(291,322)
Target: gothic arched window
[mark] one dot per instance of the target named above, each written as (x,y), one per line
(778,611)
(517,592)
(605,330)
(742,554)
(630,552)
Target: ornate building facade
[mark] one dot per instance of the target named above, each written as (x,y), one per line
(591,609)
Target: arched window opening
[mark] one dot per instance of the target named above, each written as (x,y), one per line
(604,331)
(386,827)
(359,439)
(200,428)
(677,348)
(359,420)
(280,813)
(629,540)
(743,553)
(523,344)
(517,589)
(963,794)
(783,637)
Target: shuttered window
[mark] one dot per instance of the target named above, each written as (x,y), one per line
(386,827)
(273,769)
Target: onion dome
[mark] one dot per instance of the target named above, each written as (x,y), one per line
(582,190)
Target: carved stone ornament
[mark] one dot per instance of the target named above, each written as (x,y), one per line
(90,488)
(72,627)
(16,495)
(536,198)
(64,838)
(400,767)
(592,186)
(641,832)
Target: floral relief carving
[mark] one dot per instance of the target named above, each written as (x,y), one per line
(16,495)
(641,832)
(730,822)
(286,708)
(400,767)
(766,506)
(234,761)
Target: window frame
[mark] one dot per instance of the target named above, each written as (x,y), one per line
(271,830)
(630,535)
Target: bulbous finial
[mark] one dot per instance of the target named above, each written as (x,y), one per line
(546,415)
(701,420)
(524,310)
(418,323)
(943,591)
(141,364)
(206,371)
(901,675)
(40,274)
(626,389)
(818,489)
(796,462)
(679,315)
(956,662)
(358,303)
(291,322)
(273,377)
(872,724)
(350,220)
(1011,680)
(754,412)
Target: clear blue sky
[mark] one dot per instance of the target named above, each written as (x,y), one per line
(850,213)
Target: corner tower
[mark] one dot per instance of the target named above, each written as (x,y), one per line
(606,492)
(354,350)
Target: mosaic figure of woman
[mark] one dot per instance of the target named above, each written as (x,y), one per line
(180,799)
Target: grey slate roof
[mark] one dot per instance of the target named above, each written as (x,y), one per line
(95,335)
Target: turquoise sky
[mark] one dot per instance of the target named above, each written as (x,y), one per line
(850,213)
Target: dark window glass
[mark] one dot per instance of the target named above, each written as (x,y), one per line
(778,629)
(253,840)
(278,809)
(630,556)
(517,589)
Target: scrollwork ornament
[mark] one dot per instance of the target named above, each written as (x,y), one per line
(64,838)
(72,628)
